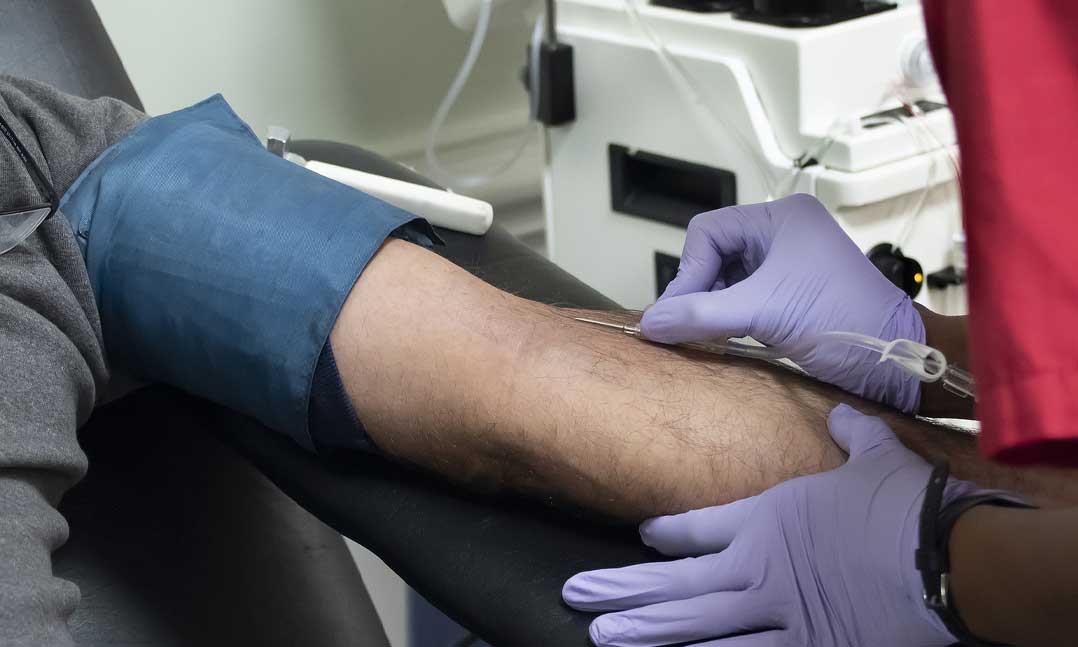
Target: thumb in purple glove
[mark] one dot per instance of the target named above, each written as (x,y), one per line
(822,560)
(780,272)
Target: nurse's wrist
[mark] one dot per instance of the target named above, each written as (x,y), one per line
(887,382)
(948,335)
(969,555)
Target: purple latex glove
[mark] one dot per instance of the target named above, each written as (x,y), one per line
(780,271)
(820,561)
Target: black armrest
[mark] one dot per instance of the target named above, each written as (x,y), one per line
(494,566)
(177,540)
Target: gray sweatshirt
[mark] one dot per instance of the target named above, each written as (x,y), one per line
(52,362)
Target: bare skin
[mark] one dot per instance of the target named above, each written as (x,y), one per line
(1015,574)
(451,374)
(948,334)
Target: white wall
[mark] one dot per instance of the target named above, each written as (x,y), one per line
(366,72)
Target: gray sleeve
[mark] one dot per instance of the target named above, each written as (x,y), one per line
(52,364)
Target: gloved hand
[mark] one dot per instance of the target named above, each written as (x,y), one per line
(824,560)
(780,271)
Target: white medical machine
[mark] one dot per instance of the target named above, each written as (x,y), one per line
(680,110)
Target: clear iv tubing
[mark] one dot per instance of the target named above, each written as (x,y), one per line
(439,170)
(925,363)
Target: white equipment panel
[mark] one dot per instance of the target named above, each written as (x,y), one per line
(769,95)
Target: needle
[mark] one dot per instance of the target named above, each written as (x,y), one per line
(629,330)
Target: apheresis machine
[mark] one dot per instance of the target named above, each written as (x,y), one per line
(656,110)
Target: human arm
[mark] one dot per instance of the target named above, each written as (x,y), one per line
(52,363)
(1018,213)
(948,335)
(222,270)
(785,271)
(821,560)
(48,375)
(786,274)
(1014,574)
(484,387)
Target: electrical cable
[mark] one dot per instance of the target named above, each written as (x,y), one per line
(912,218)
(438,169)
(685,86)
(907,96)
(789,182)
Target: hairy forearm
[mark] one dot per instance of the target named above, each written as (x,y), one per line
(449,373)
(1015,574)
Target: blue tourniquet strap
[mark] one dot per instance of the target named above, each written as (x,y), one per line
(218,267)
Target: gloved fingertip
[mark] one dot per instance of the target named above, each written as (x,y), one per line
(843,411)
(595,633)
(658,322)
(856,432)
(606,631)
(665,322)
(649,530)
(576,591)
(839,423)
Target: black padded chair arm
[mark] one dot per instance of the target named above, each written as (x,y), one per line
(494,566)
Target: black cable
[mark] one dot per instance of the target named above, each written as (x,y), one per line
(551,22)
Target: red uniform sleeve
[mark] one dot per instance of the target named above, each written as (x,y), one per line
(1010,71)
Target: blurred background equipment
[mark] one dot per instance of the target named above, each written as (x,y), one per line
(652,111)
(685,106)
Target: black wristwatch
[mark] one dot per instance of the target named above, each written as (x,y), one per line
(932,557)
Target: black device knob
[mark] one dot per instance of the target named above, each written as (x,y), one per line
(903,271)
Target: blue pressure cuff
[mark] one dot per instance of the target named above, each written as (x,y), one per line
(220,268)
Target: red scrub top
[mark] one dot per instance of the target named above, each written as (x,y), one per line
(1010,71)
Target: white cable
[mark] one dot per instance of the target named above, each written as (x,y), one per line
(922,122)
(911,220)
(440,171)
(789,181)
(908,96)
(533,65)
(696,101)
